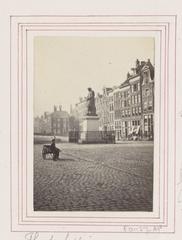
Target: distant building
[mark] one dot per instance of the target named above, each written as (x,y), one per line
(102,103)
(80,108)
(55,123)
(59,122)
(38,122)
(77,114)
(42,125)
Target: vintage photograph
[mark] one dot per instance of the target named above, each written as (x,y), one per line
(93,123)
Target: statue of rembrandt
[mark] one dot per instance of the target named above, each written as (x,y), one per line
(91,109)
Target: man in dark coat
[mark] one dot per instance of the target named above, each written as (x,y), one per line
(55,150)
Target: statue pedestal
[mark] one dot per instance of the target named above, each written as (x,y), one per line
(90,130)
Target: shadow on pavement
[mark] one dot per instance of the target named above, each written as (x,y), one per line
(65,159)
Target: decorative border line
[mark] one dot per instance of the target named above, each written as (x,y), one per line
(93,30)
(160,105)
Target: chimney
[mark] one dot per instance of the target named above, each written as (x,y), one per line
(128,75)
(71,109)
(55,108)
(137,63)
(133,70)
(142,63)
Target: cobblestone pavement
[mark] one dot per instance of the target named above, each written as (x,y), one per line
(95,177)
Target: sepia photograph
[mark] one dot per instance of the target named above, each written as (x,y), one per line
(93,126)
(93,123)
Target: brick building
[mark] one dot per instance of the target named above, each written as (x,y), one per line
(134,103)
(127,109)
(147,79)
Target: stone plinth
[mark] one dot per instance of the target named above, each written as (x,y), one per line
(90,130)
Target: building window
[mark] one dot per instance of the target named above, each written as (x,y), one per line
(138,85)
(135,87)
(133,111)
(136,111)
(126,94)
(150,105)
(151,119)
(139,110)
(147,92)
(136,99)
(145,106)
(145,119)
(132,89)
(139,98)
(146,77)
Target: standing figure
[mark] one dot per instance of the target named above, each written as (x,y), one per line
(91,109)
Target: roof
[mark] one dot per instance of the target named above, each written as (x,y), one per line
(60,114)
(151,67)
(124,84)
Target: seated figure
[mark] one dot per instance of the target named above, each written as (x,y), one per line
(55,150)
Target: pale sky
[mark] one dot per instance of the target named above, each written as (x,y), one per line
(64,67)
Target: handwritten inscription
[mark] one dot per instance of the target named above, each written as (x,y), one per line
(138,228)
(68,236)
(71,236)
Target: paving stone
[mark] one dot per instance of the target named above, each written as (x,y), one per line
(95,177)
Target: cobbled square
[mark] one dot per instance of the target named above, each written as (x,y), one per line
(95,177)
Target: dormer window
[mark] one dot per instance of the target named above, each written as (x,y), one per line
(146,77)
(147,92)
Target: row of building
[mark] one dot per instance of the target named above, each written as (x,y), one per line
(127,109)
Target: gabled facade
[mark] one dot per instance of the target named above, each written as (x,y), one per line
(147,79)
(127,109)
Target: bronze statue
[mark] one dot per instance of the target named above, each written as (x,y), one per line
(91,109)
